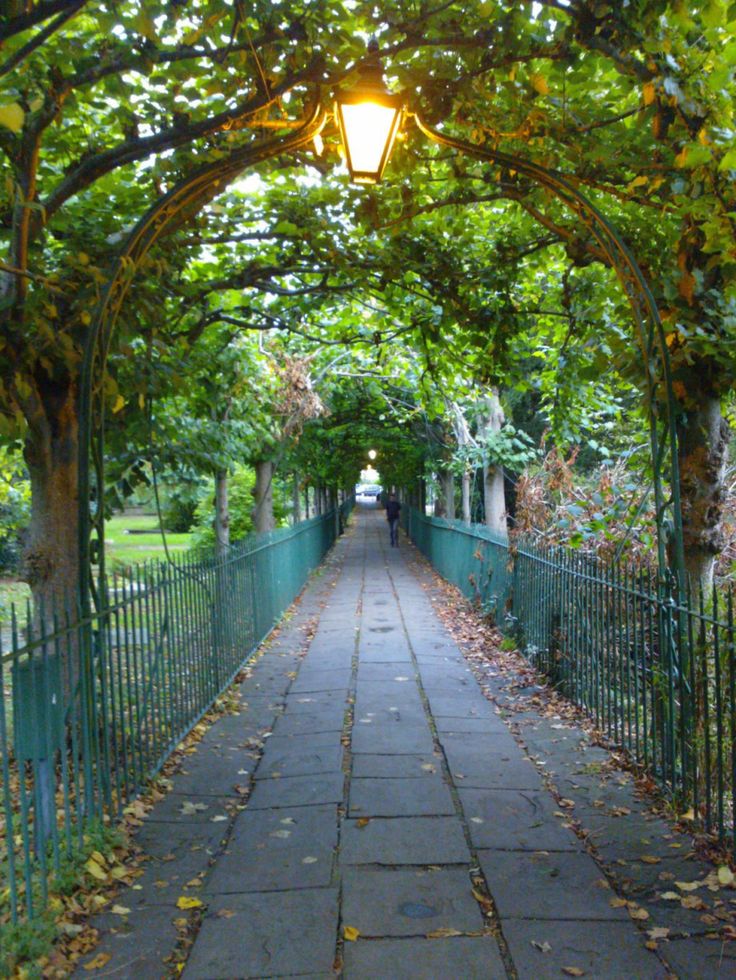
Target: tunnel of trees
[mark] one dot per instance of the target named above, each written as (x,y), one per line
(456,318)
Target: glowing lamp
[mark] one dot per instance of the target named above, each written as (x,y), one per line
(369,117)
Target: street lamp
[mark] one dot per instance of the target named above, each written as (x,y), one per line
(372,454)
(369,117)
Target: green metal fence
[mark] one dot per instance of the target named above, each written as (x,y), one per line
(91,708)
(658,676)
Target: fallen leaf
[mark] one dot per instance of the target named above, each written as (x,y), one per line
(542,947)
(637,913)
(350,933)
(281,834)
(102,959)
(688,814)
(688,886)
(693,902)
(309,860)
(567,803)
(120,910)
(219,818)
(188,809)
(362,822)
(618,903)
(726,876)
(658,932)
(650,859)
(95,870)
(225,914)
(443,933)
(670,896)
(573,971)
(187,902)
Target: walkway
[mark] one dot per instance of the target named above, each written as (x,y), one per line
(394,827)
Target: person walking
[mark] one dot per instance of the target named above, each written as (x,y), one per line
(393,508)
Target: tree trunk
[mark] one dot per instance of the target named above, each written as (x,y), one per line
(703,436)
(494,498)
(296,513)
(222,514)
(51,556)
(263,519)
(448,491)
(467,516)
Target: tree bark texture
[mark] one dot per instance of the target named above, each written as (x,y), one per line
(263,519)
(448,490)
(494,497)
(703,436)
(296,512)
(222,514)
(466,497)
(51,555)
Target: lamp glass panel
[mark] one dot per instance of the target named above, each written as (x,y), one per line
(367,130)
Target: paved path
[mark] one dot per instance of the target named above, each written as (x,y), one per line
(387,800)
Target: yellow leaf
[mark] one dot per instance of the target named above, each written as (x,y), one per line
(443,933)
(95,870)
(573,971)
(120,910)
(118,872)
(688,886)
(83,258)
(681,158)
(185,902)
(650,859)
(12,117)
(688,815)
(102,959)
(99,858)
(350,933)
(119,402)
(85,318)
(725,876)
(539,84)
(649,93)
(639,914)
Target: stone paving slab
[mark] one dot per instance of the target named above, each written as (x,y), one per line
(514,820)
(299,759)
(409,712)
(404,840)
(310,722)
(399,798)
(314,703)
(701,959)
(189,809)
(297,791)
(602,950)
(530,886)
(408,903)
(137,943)
(314,680)
(276,934)
(408,766)
(270,848)
(395,739)
(458,958)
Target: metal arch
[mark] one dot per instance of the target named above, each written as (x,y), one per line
(175,208)
(650,337)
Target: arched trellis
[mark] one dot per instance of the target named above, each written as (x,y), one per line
(171,211)
(650,337)
(185,200)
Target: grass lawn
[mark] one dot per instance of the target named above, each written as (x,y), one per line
(122,549)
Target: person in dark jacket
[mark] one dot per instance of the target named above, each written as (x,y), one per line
(393,508)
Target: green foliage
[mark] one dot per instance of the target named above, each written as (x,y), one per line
(241,484)
(23,944)
(15,504)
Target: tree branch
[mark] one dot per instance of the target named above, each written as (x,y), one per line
(15,59)
(41,12)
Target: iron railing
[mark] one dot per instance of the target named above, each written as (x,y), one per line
(91,708)
(657,675)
